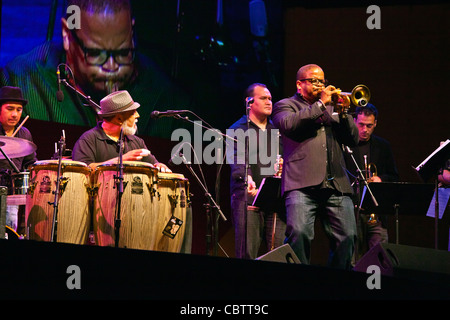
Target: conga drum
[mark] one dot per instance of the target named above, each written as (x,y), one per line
(173,197)
(138,205)
(73,216)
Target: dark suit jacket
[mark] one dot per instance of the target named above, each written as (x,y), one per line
(304,136)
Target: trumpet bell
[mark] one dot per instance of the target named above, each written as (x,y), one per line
(360,95)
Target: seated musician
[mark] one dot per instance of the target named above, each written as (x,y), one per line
(99,145)
(11,107)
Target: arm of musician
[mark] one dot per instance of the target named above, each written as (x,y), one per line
(296,120)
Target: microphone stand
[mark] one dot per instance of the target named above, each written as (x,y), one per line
(91,103)
(61,148)
(246,164)
(119,184)
(360,178)
(211,227)
(210,203)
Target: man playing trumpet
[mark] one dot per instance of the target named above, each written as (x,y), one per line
(314,179)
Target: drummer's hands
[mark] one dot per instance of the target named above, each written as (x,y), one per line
(162,167)
(135,155)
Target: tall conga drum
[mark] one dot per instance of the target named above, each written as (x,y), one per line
(73,215)
(138,205)
(173,197)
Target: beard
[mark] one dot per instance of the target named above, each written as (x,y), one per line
(129,130)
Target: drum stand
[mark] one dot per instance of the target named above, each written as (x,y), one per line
(119,184)
(61,148)
(9,160)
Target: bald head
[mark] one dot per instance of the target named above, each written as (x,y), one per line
(303,72)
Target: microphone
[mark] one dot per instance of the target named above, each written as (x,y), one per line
(347,149)
(249,100)
(59,93)
(169,113)
(177,155)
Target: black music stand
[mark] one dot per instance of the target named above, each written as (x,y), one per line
(269,195)
(430,168)
(396,198)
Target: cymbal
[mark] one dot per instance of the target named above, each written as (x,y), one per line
(16,147)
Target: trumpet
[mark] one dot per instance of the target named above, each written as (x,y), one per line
(371,171)
(360,96)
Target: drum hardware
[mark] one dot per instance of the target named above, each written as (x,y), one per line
(152,190)
(173,199)
(62,185)
(92,190)
(32,186)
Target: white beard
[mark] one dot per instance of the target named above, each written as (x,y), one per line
(129,131)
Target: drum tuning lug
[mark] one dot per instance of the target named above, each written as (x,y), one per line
(62,185)
(173,200)
(92,190)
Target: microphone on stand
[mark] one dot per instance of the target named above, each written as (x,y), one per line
(177,155)
(249,100)
(169,113)
(59,93)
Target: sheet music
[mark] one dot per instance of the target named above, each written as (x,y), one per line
(444,195)
(432,154)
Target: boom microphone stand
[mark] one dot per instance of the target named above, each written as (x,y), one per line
(211,226)
(91,103)
(360,178)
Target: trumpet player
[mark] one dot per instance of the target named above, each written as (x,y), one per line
(314,181)
(375,157)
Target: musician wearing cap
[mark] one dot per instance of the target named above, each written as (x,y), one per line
(99,145)
(19,148)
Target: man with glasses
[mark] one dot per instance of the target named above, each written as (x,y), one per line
(314,179)
(97,59)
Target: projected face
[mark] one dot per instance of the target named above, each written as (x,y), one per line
(101,53)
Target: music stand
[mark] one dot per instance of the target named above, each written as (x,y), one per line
(396,198)
(268,196)
(430,168)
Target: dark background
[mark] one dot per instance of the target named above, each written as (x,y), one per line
(405,64)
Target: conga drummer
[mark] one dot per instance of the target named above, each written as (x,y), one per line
(99,144)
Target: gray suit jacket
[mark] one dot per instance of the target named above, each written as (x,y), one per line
(304,129)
